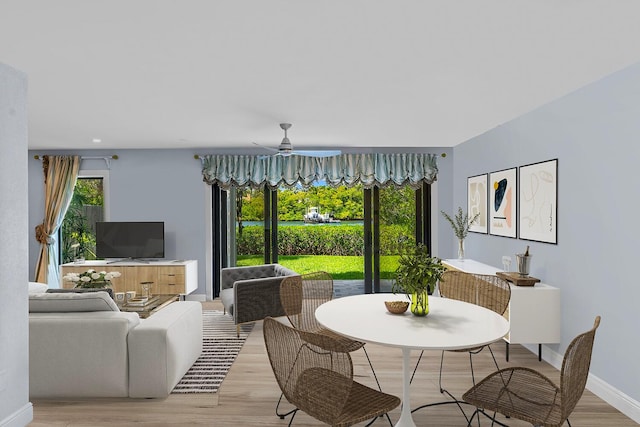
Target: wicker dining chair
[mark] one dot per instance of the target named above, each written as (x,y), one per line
(316,375)
(487,291)
(300,296)
(528,395)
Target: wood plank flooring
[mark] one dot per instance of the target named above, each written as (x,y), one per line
(249,393)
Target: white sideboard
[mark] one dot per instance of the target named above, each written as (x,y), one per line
(533,313)
(167,277)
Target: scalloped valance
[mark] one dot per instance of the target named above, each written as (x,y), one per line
(369,169)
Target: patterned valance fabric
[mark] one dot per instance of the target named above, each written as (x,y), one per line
(369,169)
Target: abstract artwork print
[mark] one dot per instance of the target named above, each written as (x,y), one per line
(502,203)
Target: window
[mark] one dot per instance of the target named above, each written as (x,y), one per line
(88,205)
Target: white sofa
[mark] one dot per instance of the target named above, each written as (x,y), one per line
(82,345)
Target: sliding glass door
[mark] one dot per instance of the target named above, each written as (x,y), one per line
(351,232)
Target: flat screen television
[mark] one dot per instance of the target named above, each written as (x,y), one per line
(136,240)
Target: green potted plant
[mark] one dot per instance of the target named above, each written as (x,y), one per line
(417,276)
(460,224)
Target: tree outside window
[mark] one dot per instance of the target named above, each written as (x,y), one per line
(78,230)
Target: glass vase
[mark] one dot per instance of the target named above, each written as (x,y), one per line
(420,303)
(461,249)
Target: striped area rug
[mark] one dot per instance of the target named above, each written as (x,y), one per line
(220,347)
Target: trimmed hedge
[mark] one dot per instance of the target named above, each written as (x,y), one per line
(343,240)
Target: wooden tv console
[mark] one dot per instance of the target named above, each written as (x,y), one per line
(167,277)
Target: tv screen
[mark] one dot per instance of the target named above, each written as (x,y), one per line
(130,239)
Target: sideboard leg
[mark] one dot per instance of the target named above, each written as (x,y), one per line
(507,352)
(539,352)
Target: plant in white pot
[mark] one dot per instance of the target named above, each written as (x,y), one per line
(460,224)
(417,275)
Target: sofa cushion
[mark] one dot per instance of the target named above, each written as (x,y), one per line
(81,290)
(37,288)
(71,302)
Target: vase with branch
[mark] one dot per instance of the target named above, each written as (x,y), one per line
(460,224)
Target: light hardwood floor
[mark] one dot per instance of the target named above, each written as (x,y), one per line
(249,393)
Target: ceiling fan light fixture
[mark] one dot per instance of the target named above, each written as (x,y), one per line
(285,145)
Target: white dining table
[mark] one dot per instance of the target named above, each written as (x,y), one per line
(450,325)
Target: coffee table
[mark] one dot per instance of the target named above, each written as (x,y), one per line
(153,307)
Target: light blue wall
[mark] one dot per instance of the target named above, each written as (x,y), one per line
(145,185)
(594,133)
(15,409)
(166,185)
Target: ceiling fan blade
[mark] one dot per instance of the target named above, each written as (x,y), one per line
(273,150)
(317,153)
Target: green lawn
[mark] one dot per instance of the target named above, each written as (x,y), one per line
(340,267)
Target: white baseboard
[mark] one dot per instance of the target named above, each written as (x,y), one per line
(20,418)
(602,389)
(195,297)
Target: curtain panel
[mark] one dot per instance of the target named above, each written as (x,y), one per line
(369,169)
(60,175)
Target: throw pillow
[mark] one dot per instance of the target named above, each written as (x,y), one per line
(71,302)
(37,287)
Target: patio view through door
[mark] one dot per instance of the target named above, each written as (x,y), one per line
(353,233)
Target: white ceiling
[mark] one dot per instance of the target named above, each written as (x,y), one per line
(223,73)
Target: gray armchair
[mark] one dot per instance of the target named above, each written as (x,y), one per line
(252,293)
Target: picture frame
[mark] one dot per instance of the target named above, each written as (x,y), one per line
(477,203)
(503,220)
(539,201)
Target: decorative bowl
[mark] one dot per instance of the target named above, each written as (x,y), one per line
(396,307)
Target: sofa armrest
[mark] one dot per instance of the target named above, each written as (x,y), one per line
(163,348)
(256,299)
(81,354)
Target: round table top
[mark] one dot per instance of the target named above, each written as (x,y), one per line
(450,324)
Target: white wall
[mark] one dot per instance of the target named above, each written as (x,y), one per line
(15,408)
(594,133)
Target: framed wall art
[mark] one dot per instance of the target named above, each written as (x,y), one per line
(502,203)
(539,201)
(477,202)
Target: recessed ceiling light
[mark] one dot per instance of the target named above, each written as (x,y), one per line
(96,140)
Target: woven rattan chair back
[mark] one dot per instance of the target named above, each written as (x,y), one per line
(316,377)
(301,295)
(575,368)
(487,291)
(528,395)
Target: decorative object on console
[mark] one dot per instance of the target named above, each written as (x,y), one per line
(524,263)
(418,273)
(517,279)
(461,224)
(92,278)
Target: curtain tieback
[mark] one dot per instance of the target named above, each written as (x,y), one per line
(42,236)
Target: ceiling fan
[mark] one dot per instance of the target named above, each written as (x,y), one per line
(286,149)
